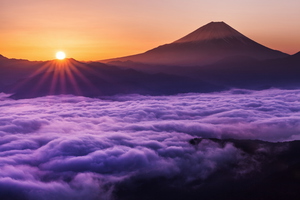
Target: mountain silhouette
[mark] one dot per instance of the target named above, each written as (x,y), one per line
(28,79)
(206,45)
(2,57)
(210,31)
(215,57)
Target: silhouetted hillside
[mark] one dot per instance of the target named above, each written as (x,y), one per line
(265,171)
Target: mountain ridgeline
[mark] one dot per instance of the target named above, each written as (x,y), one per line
(214,57)
(208,44)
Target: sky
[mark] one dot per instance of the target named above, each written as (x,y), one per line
(97,29)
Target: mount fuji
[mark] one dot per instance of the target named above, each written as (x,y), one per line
(210,43)
(214,57)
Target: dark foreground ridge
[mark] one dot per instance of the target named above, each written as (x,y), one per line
(25,79)
(264,171)
(93,80)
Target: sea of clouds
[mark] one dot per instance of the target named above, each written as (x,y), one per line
(71,147)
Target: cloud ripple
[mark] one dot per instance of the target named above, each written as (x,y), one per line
(69,147)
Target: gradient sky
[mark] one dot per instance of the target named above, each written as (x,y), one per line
(98,29)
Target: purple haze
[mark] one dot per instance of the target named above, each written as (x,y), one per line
(69,147)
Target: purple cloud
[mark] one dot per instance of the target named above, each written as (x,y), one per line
(68,147)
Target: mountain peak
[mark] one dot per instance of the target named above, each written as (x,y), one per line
(208,44)
(210,31)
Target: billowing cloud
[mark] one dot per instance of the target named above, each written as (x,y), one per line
(70,147)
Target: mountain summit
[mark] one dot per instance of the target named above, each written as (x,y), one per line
(210,43)
(210,31)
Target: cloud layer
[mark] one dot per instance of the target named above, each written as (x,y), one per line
(70,147)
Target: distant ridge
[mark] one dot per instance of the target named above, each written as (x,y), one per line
(206,45)
(2,57)
(29,79)
(297,54)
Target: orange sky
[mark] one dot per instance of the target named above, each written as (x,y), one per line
(100,29)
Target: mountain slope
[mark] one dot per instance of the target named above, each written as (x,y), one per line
(26,79)
(212,30)
(208,44)
(92,79)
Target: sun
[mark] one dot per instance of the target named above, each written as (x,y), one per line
(60,55)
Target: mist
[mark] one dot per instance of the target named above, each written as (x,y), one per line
(72,147)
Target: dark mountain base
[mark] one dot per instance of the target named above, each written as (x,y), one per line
(235,72)
(116,82)
(35,79)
